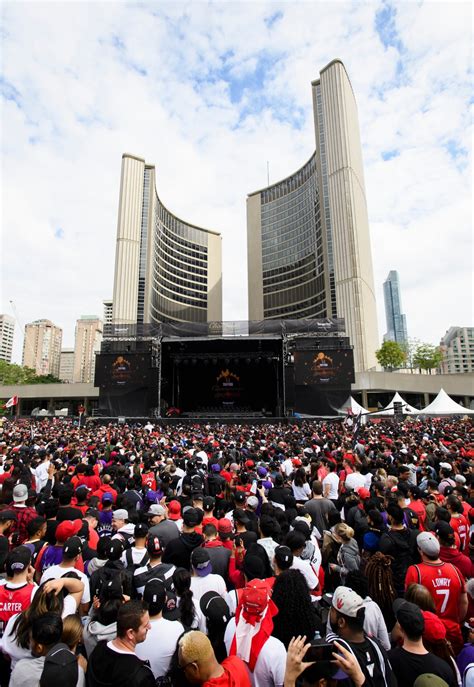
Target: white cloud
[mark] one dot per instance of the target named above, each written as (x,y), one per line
(209,92)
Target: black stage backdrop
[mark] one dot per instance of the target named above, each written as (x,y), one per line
(204,385)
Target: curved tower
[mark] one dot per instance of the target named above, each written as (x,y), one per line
(165,268)
(308,236)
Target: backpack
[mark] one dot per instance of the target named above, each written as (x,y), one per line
(165,573)
(130,565)
(197,483)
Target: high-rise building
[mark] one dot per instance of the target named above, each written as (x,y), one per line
(66,365)
(42,347)
(88,338)
(108,311)
(457,346)
(7,332)
(308,236)
(396,322)
(165,269)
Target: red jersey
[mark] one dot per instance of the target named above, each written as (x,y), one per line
(460,526)
(418,507)
(13,600)
(445,584)
(148,478)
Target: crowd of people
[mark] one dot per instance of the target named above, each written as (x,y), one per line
(272,555)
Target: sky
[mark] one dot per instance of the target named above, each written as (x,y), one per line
(210,92)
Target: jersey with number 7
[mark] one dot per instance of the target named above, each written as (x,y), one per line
(445,584)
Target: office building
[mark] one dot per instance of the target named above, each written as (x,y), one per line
(396,322)
(108,311)
(89,329)
(7,332)
(166,270)
(308,239)
(457,346)
(66,365)
(42,347)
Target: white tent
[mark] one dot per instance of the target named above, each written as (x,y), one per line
(444,405)
(352,405)
(407,409)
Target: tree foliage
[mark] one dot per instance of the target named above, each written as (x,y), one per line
(427,357)
(391,355)
(11,374)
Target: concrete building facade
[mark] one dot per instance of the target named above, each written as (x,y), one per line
(457,346)
(166,270)
(7,333)
(66,365)
(89,331)
(396,321)
(308,240)
(42,347)
(108,311)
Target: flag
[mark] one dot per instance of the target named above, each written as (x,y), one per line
(11,402)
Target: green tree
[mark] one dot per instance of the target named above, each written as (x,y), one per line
(391,355)
(11,374)
(427,357)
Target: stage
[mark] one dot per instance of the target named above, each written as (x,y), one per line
(283,370)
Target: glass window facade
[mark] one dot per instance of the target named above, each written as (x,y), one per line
(292,250)
(179,271)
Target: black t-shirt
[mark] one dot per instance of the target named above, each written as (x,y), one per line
(370,659)
(68,513)
(407,667)
(108,668)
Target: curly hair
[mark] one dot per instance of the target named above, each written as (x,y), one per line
(296,615)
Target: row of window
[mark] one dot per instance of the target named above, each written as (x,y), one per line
(289,185)
(193,235)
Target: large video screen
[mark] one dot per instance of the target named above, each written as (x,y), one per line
(122,371)
(331,368)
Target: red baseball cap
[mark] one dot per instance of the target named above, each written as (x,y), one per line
(174,510)
(363,493)
(296,462)
(66,529)
(435,630)
(224,526)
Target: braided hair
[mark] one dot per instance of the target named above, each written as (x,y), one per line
(380,578)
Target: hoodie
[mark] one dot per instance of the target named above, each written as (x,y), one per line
(178,552)
(95,632)
(461,561)
(401,545)
(348,558)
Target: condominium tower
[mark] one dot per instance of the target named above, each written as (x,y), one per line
(457,347)
(7,332)
(396,321)
(308,239)
(88,338)
(42,347)
(165,268)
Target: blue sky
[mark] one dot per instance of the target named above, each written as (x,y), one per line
(209,92)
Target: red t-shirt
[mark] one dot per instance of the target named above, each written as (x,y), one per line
(445,584)
(235,674)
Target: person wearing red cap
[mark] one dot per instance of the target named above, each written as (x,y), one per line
(249,635)
(52,554)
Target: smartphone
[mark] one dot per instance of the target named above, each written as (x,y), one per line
(320,652)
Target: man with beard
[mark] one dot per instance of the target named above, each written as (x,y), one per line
(347,616)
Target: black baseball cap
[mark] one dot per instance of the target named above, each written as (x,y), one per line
(214,608)
(153,545)
(7,514)
(208,503)
(72,547)
(18,560)
(114,550)
(154,595)
(283,557)
(201,561)
(409,617)
(92,513)
(60,667)
(240,497)
(241,516)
